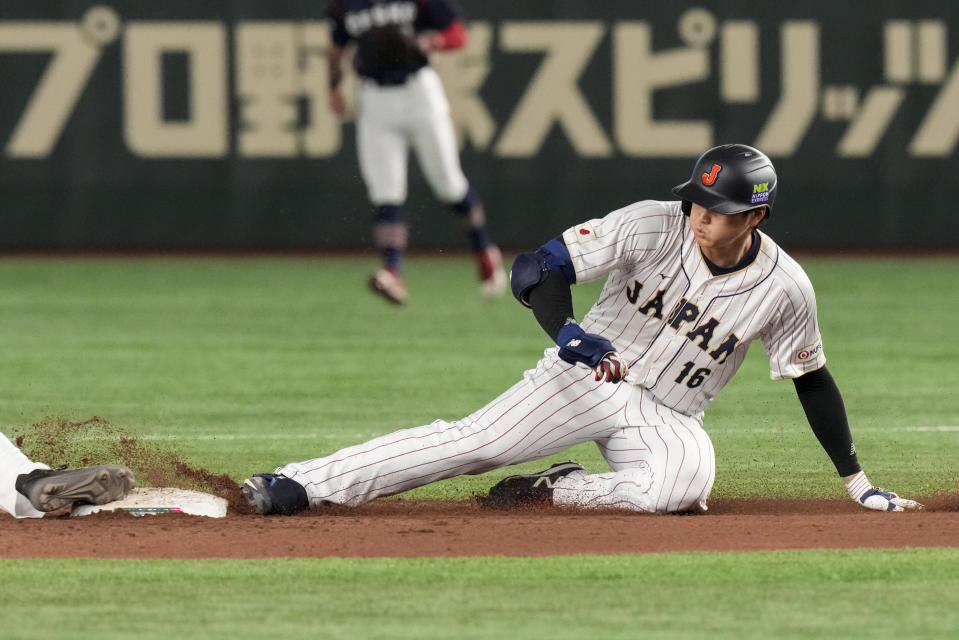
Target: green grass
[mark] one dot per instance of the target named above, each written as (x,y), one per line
(876,594)
(241,365)
(246,364)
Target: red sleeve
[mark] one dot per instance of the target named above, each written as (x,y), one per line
(453,37)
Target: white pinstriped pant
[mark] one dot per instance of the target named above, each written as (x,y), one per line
(12,464)
(390,121)
(662,461)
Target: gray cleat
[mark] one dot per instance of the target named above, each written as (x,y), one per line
(255,493)
(52,489)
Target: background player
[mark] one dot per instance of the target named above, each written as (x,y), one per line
(401,104)
(31,489)
(689,285)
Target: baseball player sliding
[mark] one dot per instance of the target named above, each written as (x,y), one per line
(401,104)
(31,489)
(690,284)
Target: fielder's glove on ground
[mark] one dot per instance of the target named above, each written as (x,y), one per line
(881,500)
(595,351)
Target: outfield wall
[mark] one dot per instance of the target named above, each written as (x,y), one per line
(196,125)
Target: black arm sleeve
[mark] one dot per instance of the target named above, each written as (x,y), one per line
(552,303)
(826,414)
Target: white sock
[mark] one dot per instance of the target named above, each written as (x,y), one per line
(858,485)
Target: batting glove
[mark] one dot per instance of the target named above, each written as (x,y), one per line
(611,367)
(595,351)
(881,500)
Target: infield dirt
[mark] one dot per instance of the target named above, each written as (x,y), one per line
(403,528)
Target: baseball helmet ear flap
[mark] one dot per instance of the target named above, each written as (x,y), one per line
(729,179)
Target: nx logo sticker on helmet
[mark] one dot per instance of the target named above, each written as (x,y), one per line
(760,193)
(710,178)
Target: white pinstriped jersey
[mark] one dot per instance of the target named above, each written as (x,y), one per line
(683,331)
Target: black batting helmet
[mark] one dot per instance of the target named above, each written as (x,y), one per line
(731,178)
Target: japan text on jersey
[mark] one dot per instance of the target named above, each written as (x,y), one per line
(683,330)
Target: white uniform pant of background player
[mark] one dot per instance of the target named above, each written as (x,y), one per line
(12,464)
(392,119)
(662,461)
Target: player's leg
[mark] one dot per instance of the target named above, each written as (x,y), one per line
(662,463)
(382,152)
(13,463)
(31,489)
(434,142)
(553,408)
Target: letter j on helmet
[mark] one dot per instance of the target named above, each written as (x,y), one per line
(710,178)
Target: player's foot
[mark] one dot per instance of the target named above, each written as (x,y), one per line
(493,278)
(269,493)
(389,283)
(531,489)
(52,489)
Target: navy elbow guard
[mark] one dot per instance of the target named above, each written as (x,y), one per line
(529,270)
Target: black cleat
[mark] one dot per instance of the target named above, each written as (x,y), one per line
(52,489)
(529,490)
(269,493)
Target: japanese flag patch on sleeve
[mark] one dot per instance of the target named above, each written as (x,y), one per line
(581,233)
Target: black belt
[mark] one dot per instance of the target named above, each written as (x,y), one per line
(394,78)
(391,81)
